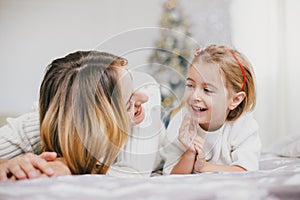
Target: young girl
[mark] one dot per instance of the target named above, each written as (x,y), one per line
(218,132)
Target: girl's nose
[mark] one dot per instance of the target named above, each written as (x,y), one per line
(140,98)
(197,95)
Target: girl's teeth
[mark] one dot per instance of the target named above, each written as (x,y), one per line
(199,109)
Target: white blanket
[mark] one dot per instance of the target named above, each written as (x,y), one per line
(278,178)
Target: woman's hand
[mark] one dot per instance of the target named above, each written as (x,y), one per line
(28,166)
(60,167)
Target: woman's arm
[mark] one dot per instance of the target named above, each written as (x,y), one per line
(2,160)
(20,135)
(30,166)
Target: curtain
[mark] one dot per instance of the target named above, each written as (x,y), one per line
(267,32)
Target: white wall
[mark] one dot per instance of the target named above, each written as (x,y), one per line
(34,32)
(292,61)
(267,31)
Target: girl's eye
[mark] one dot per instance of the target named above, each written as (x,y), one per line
(208,90)
(189,85)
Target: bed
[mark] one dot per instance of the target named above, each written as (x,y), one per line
(278,178)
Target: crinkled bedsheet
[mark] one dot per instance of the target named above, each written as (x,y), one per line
(278,178)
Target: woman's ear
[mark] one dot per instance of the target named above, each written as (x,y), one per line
(237,99)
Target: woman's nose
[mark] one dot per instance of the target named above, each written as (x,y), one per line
(140,98)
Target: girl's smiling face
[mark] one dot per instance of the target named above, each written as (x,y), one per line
(206,96)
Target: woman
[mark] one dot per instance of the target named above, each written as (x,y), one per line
(85,100)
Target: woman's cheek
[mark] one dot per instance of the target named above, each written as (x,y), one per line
(131,116)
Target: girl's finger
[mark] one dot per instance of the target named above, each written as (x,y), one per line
(184,124)
(192,128)
(199,141)
(199,150)
(183,128)
(186,120)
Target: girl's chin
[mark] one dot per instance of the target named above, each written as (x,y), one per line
(196,118)
(194,115)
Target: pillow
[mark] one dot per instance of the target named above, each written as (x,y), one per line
(289,147)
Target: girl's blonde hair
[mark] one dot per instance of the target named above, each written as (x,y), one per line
(82,114)
(229,61)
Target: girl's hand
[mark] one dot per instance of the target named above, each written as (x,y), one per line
(28,166)
(200,158)
(188,135)
(192,142)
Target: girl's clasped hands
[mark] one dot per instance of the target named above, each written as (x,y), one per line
(192,141)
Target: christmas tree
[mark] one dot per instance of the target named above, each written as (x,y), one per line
(171,57)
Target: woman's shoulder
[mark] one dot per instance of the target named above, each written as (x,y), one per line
(31,118)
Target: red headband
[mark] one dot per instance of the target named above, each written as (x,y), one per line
(198,50)
(242,68)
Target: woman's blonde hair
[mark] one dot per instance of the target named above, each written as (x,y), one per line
(82,113)
(237,71)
